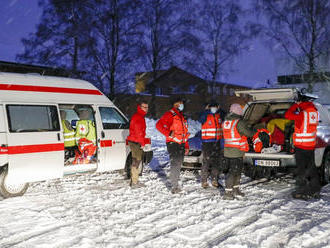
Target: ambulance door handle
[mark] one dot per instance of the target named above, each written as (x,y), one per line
(58,137)
(102,134)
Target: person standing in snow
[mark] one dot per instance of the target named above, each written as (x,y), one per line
(235,133)
(174,127)
(136,141)
(211,129)
(305,117)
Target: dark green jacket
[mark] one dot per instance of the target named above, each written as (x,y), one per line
(243,129)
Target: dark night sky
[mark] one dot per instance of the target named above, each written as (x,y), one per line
(19,17)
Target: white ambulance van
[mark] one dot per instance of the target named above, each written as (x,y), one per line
(32,133)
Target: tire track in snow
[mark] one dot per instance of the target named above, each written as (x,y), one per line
(237,226)
(21,237)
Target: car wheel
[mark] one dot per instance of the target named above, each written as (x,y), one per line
(11,189)
(250,171)
(325,169)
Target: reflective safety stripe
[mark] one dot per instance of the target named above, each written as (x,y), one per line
(211,128)
(69,134)
(305,140)
(232,137)
(305,134)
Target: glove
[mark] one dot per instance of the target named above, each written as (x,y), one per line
(147,148)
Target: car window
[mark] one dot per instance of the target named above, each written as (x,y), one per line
(112,119)
(32,118)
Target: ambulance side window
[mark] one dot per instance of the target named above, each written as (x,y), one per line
(32,118)
(112,119)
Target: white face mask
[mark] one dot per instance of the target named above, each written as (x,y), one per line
(213,110)
(181,107)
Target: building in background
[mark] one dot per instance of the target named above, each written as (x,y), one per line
(175,81)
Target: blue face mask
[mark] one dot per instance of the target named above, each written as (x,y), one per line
(181,107)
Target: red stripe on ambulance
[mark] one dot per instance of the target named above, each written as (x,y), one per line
(35,148)
(17,87)
(106,143)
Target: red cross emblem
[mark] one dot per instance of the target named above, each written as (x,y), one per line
(226,124)
(313,117)
(82,129)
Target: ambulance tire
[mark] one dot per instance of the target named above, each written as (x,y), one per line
(7,190)
(128,165)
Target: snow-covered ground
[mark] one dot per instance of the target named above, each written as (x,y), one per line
(100,210)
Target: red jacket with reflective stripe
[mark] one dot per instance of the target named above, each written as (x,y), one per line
(232,137)
(173,121)
(137,128)
(306,121)
(211,128)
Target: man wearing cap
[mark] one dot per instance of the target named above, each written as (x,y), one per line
(211,129)
(174,127)
(235,133)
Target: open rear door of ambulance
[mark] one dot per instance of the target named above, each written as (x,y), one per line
(112,132)
(35,145)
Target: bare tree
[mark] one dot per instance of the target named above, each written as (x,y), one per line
(163,36)
(301,28)
(60,35)
(115,32)
(220,29)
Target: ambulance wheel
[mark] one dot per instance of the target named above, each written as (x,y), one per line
(128,165)
(8,189)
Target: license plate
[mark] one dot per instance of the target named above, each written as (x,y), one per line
(270,163)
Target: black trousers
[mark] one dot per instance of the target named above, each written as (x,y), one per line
(306,174)
(211,160)
(233,176)
(176,153)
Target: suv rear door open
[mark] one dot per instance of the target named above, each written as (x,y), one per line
(269,94)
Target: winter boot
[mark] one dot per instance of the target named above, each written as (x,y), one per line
(176,190)
(215,183)
(137,185)
(228,194)
(301,196)
(237,191)
(205,184)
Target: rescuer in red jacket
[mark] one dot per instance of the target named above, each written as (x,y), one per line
(306,117)
(174,127)
(211,130)
(137,140)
